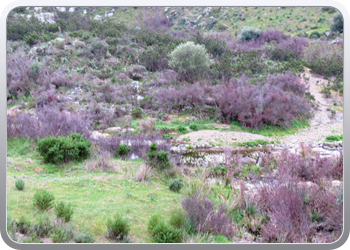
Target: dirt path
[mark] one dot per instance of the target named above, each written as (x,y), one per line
(321,125)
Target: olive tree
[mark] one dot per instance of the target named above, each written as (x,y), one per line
(190,60)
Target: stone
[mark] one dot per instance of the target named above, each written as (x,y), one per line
(98,18)
(113,129)
(46,17)
(166,9)
(62,9)
(71,9)
(136,85)
(109,13)
(201,25)
(36,9)
(96,135)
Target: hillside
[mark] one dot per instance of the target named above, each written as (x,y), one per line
(177,124)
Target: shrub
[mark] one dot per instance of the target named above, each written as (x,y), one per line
(194,127)
(332,138)
(177,218)
(23,225)
(84,237)
(144,173)
(137,113)
(162,160)
(338,23)
(60,235)
(164,233)
(153,221)
(249,33)
(31,38)
(182,130)
(19,184)
(63,149)
(123,150)
(43,200)
(64,211)
(154,58)
(257,105)
(175,185)
(117,228)
(191,61)
(289,49)
(201,216)
(44,225)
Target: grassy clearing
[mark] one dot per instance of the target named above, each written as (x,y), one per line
(272,131)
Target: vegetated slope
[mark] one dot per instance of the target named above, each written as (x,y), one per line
(130,83)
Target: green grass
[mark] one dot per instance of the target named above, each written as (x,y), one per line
(271,130)
(254,143)
(95,197)
(332,138)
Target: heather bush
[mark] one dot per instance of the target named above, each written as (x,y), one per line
(202,217)
(258,105)
(44,225)
(191,61)
(288,219)
(43,200)
(19,184)
(307,167)
(288,49)
(63,149)
(117,228)
(325,59)
(249,33)
(272,35)
(156,19)
(175,185)
(64,210)
(23,225)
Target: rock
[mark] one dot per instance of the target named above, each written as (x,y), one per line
(201,25)
(136,85)
(96,135)
(71,9)
(14,110)
(98,18)
(62,9)
(46,17)
(139,98)
(113,129)
(109,13)
(166,9)
(207,11)
(36,9)
(246,161)
(59,39)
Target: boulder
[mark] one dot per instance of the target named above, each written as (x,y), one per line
(62,9)
(113,129)
(46,17)
(207,11)
(98,18)
(96,135)
(109,13)
(71,9)
(136,85)
(36,9)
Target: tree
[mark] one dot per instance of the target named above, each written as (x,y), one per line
(190,60)
(337,24)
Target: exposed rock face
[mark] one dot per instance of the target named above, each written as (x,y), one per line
(71,9)
(207,11)
(36,9)
(45,17)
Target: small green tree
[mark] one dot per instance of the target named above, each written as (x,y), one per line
(190,60)
(249,33)
(338,22)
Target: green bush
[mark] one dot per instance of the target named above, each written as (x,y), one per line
(164,233)
(64,211)
(153,146)
(23,225)
(44,226)
(43,200)
(177,218)
(31,38)
(332,138)
(33,239)
(175,185)
(137,113)
(122,150)
(190,60)
(34,71)
(84,237)
(20,184)
(182,129)
(194,127)
(63,149)
(338,23)
(162,160)
(153,221)
(249,33)
(60,235)
(117,228)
